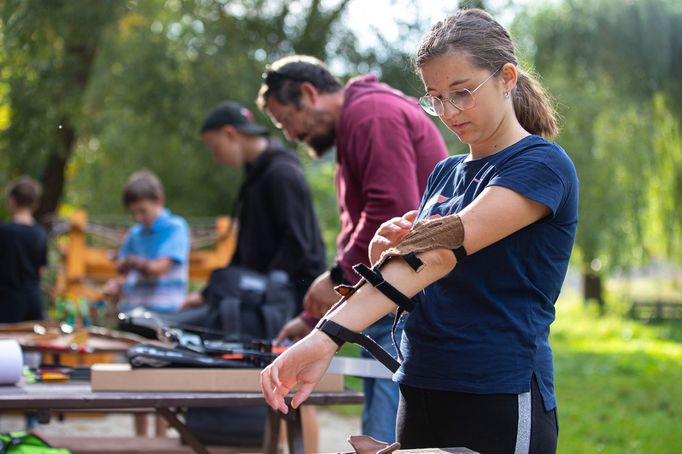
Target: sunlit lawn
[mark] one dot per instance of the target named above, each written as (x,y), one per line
(618,381)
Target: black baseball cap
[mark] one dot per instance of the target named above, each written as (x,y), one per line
(234,114)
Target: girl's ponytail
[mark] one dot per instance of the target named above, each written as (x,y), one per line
(533,107)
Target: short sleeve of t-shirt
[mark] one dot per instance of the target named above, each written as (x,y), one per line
(542,175)
(176,245)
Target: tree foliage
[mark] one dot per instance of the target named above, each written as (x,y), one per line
(614,69)
(91,91)
(152,71)
(47,67)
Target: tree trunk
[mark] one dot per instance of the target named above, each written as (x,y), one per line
(592,288)
(79,59)
(53,179)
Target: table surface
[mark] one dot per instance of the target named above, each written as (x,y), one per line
(79,396)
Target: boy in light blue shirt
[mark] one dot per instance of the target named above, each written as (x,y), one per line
(154,256)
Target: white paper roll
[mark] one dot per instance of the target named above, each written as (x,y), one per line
(11,362)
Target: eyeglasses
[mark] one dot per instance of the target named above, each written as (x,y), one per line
(461,99)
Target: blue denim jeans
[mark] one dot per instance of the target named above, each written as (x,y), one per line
(381,395)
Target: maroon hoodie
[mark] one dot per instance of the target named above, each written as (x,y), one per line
(386,149)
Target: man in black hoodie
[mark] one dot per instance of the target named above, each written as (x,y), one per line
(278,230)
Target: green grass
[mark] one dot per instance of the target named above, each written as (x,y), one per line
(618,381)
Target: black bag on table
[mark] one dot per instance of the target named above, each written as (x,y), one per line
(242,304)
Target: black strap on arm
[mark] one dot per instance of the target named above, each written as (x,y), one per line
(339,334)
(460,253)
(375,278)
(405,304)
(413,261)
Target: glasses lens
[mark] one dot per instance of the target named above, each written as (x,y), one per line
(464,100)
(430,105)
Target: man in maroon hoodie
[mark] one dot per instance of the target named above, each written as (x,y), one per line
(385,150)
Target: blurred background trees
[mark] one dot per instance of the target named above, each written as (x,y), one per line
(91,91)
(614,68)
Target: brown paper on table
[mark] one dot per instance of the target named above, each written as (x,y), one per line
(121,377)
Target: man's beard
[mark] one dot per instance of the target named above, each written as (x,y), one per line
(320,144)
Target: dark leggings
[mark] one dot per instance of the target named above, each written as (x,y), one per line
(486,423)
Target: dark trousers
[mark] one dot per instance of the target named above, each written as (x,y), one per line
(487,423)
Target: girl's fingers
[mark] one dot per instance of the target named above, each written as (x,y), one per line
(381,239)
(274,375)
(388,229)
(411,215)
(302,394)
(404,224)
(268,388)
(391,230)
(272,389)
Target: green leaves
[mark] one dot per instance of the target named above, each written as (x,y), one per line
(130,83)
(614,69)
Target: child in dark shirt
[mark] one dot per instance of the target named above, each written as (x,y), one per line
(23,253)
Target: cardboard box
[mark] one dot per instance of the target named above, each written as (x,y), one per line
(121,377)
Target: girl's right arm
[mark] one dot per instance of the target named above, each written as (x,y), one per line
(497,213)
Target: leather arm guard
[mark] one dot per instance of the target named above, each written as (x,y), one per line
(440,233)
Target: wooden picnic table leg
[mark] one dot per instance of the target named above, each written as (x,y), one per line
(294,431)
(185,433)
(43,415)
(271,438)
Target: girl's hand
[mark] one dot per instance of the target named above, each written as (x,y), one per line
(389,234)
(305,362)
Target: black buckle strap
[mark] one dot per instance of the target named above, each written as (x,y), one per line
(460,253)
(375,278)
(339,334)
(413,261)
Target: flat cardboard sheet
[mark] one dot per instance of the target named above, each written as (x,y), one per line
(121,377)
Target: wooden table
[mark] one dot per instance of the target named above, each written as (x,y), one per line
(45,398)
(101,346)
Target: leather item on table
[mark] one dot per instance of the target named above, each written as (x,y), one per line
(364,444)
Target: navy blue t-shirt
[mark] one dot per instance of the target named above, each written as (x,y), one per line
(484,327)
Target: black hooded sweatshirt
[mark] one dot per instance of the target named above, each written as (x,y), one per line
(278,229)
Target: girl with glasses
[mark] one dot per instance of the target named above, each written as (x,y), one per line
(477,369)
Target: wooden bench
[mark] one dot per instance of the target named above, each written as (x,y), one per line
(142,445)
(656,310)
(133,445)
(46,399)
(81,264)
